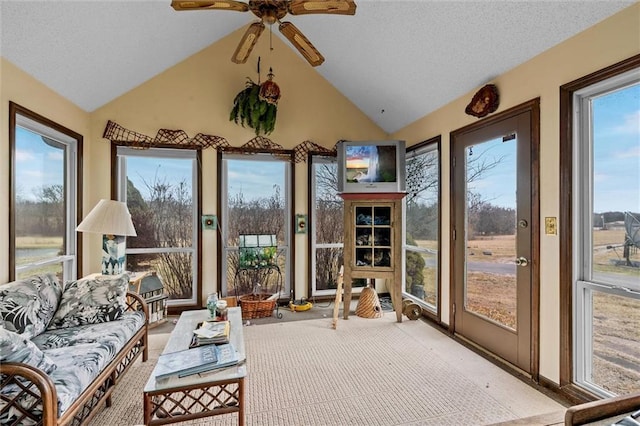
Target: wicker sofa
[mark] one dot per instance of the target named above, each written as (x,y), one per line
(64,348)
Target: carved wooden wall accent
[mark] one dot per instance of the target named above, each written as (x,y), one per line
(179,139)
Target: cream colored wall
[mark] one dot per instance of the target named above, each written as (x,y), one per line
(197,94)
(21,88)
(610,41)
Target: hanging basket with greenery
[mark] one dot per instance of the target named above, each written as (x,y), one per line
(256,106)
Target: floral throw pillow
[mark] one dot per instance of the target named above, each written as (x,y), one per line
(15,347)
(91,301)
(28,305)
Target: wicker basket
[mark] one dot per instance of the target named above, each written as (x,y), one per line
(256,305)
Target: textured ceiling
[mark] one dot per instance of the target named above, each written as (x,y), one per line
(407,58)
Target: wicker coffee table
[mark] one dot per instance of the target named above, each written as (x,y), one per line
(200,395)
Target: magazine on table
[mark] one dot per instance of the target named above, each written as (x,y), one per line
(195,360)
(211,332)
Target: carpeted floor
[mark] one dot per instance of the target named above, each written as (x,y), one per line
(367,372)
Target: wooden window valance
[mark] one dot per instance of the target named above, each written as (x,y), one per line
(166,138)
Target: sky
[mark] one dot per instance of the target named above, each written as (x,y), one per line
(616,147)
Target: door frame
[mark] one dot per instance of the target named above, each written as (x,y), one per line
(531,107)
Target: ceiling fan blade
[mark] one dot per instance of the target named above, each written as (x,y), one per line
(336,7)
(304,46)
(249,40)
(210,4)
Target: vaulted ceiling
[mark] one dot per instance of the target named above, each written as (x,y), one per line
(395,60)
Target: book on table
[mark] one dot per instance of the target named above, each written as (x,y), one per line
(211,332)
(195,360)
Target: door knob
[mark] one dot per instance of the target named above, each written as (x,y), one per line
(522,261)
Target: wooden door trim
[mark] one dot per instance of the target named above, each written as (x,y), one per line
(533,108)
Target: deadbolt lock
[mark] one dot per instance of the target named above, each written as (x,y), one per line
(522,261)
(523,223)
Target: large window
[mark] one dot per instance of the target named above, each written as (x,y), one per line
(160,187)
(255,200)
(606,243)
(45,160)
(327,226)
(422,224)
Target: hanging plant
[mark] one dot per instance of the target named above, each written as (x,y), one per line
(256,106)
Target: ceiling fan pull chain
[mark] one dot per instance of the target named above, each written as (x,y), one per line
(271,37)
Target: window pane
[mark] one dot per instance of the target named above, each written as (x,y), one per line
(328,215)
(160,195)
(328,262)
(256,205)
(616,188)
(174,269)
(422,226)
(616,352)
(160,199)
(54,268)
(40,200)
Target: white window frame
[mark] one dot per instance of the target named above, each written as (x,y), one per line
(169,153)
(318,161)
(68,260)
(435,146)
(582,206)
(224,219)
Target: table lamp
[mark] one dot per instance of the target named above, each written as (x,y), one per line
(111,219)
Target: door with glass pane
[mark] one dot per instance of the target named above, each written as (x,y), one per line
(255,201)
(492,258)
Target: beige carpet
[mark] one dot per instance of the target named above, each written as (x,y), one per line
(367,372)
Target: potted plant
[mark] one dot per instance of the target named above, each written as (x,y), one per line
(256,106)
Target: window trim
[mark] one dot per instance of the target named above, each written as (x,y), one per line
(432,144)
(20,116)
(566,215)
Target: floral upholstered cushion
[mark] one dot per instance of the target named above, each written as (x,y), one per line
(27,306)
(91,301)
(15,347)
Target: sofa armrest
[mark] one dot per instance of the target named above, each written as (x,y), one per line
(601,409)
(34,383)
(135,302)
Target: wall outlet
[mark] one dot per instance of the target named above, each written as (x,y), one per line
(551,226)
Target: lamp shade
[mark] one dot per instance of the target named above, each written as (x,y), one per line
(108,217)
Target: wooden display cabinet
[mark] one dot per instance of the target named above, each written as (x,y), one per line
(373,243)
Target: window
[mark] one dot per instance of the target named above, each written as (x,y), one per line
(45,196)
(422,222)
(606,243)
(327,226)
(160,187)
(255,199)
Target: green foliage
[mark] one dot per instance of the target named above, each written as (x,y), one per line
(248,109)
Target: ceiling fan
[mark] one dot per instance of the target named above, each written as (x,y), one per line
(270,12)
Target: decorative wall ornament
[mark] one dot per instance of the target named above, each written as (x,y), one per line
(302,150)
(165,137)
(485,101)
(179,139)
